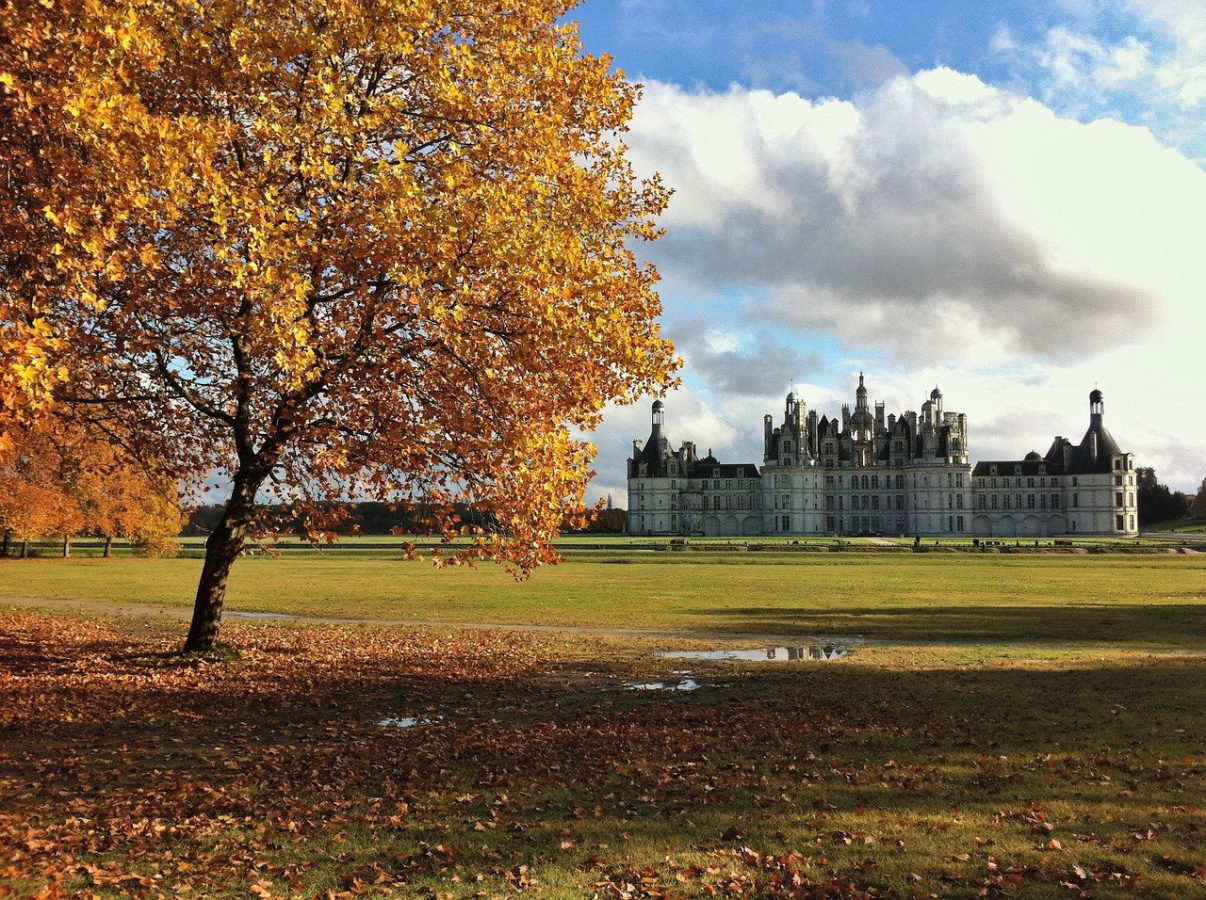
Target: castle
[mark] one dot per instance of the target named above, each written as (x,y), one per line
(869,473)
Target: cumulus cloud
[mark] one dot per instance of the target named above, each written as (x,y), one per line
(740,362)
(1136,60)
(894,221)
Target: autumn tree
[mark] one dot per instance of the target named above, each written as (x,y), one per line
(33,502)
(120,498)
(59,480)
(330,247)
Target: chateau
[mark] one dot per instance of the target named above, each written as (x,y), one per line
(869,473)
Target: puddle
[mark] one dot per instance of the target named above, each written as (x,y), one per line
(821,652)
(409,721)
(687,684)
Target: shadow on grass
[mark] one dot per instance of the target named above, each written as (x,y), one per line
(1157,625)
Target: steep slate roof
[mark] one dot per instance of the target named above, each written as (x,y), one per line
(1083,461)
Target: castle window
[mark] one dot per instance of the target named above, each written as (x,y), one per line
(866,483)
(1118,523)
(787,523)
(1030,501)
(1019,497)
(716,474)
(958,501)
(1043,501)
(900,501)
(875,481)
(1055,482)
(1073,481)
(1118,480)
(1029,482)
(959,479)
(716,484)
(994,501)
(728,485)
(741,473)
(959,522)
(1017,470)
(673,483)
(1118,498)
(992,470)
(1075,499)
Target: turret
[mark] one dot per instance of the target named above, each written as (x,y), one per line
(1096,408)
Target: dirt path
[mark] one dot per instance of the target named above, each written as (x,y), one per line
(153,612)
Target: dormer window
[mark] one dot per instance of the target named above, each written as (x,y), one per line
(716,473)
(992,470)
(741,473)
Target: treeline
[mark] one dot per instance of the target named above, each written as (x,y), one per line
(373,517)
(1157,503)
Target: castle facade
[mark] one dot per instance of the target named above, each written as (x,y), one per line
(867,472)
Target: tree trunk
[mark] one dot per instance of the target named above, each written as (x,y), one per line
(25,549)
(108,546)
(66,546)
(222,548)
(8,533)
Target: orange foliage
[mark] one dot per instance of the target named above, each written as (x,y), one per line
(57,480)
(330,247)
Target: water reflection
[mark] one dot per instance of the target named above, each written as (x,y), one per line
(409,721)
(820,652)
(687,684)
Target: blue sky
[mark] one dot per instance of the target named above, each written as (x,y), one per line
(1005,199)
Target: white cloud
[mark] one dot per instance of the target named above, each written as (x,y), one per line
(1138,60)
(878,221)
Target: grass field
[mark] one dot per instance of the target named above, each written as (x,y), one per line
(1109,600)
(1003,725)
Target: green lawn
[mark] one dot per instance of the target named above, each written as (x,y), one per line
(1113,600)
